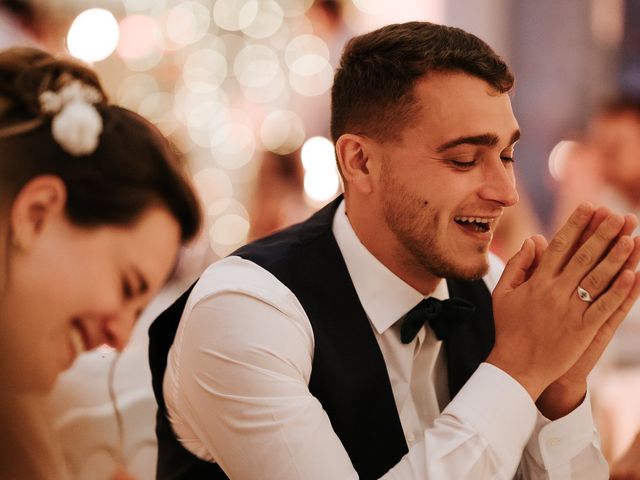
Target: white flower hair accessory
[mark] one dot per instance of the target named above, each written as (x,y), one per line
(76,124)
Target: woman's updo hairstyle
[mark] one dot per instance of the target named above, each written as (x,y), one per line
(114,163)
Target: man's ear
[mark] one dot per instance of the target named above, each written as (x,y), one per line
(37,203)
(354,153)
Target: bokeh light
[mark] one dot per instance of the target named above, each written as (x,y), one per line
(229,229)
(321,185)
(214,187)
(294,8)
(135,88)
(225,206)
(558,158)
(255,65)
(139,35)
(144,6)
(373,7)
(317,153)
(303,51)
(204,70)
(157,108)
(267,21)
(312,84)
(281,38)
(204,119)
(93,35)
(282,132)
(187,23)
(232,144)
(228,80)
(274,92)
(307,57)
(321,178)
(149,61)
(187,101)
(234,15)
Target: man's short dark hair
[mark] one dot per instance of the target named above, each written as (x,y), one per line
(373,87)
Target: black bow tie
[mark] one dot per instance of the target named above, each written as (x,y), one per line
(442,315)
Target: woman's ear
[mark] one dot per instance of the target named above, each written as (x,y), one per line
(42,199)
(354,157)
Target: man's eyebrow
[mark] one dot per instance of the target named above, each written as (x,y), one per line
(486,139)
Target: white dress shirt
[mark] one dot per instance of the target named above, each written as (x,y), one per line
(236,387)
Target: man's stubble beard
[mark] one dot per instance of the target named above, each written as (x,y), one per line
(414,224)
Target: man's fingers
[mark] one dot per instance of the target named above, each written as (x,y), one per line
(563,243)
(634,258)
(630,224)
(598,217)
(515,272)
(613,299)
(592,251)
(540,245)
(598,279)
(620,314)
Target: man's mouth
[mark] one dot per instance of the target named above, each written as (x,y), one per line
(475,224)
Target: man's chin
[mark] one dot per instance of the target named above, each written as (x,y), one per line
(469,271)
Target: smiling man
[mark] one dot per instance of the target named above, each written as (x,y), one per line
(366,342)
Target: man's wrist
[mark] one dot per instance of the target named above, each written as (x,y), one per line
(561,398)
(531,383)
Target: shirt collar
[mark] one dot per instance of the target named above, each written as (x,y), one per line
(383,295)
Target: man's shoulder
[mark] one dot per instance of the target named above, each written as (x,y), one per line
(237,275)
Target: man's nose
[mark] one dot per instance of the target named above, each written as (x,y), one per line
(499,184)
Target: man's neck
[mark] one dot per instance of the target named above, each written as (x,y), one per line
(383,245)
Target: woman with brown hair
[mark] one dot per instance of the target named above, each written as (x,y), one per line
(93,209)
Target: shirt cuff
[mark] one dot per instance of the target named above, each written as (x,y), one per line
(554,443)
(499,409)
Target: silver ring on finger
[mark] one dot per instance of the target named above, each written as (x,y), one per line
(584,295)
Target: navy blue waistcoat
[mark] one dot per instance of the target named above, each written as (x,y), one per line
(349,376)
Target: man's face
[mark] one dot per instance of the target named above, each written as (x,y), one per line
(443,186)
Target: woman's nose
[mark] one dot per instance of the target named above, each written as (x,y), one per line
(117,328)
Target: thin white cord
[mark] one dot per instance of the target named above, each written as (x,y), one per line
(119,452)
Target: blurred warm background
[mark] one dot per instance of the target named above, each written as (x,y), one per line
(241,87)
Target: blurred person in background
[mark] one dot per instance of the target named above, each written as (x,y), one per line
(278,195)
(278,199)
(605,169)
(18,24)
(93,210)
(365,342)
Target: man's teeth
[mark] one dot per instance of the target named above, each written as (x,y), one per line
(473,219)
(77,341)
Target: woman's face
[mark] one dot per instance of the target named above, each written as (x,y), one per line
(73,289)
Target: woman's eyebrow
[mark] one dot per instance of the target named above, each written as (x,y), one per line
(143,285)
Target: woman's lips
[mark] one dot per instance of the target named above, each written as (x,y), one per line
(77,340)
